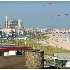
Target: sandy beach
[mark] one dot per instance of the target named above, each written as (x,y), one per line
(57,40)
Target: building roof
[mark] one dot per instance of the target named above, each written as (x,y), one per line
(62,56)
(6,49)
(21,36)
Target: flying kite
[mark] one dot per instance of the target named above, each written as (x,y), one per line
(59,15)
(66,14)
(50,2)
(43,5)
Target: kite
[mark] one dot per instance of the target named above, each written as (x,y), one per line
(66,14)
(59,15)
(43,5)
(50,2)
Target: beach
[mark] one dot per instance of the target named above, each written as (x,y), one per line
(57,40)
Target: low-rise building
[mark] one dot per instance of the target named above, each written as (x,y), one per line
(22,37)
(58,30)
(63,59)
(9,51)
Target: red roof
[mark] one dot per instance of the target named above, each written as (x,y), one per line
(50,2)
(6,49)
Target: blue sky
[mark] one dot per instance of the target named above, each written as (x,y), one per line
(37,14)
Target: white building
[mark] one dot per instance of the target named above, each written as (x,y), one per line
(59,30)
(7,31)
(11,52)
(22,37)
(42,30)
(64,59)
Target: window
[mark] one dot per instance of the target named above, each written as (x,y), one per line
(19,52)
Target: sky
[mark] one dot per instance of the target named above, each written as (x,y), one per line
(37,14)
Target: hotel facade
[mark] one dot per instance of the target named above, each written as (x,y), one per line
(58,30)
